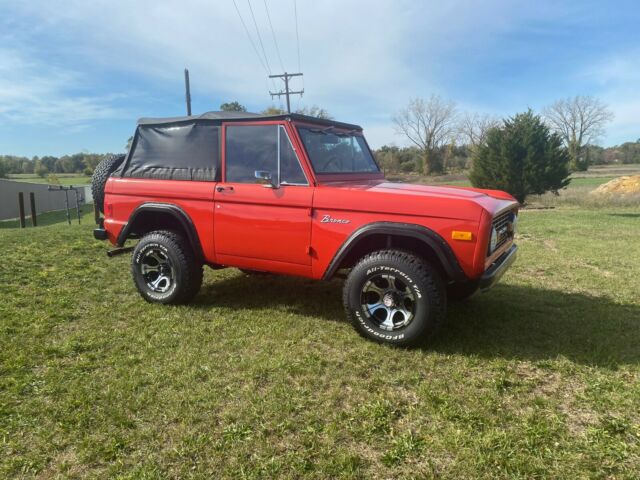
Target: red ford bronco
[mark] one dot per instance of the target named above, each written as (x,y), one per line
(298,195)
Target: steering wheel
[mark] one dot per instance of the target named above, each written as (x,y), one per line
(333,159)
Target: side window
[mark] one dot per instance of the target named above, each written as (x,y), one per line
(290,170)
(261,147)
(250,148)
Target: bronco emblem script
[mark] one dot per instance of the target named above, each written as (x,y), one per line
(328,219)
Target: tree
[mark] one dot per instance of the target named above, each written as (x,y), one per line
(388,158)
(474,127)
(579,121)
(522,157)
(314,111)
(3,170)
(233,107)
(273,110)
(41,169)
(428,124)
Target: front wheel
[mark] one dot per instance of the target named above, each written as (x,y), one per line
(394,297)
(165,269)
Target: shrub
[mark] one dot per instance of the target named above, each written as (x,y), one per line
(521,157)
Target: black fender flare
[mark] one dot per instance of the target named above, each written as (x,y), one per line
(430,238)
(167,208)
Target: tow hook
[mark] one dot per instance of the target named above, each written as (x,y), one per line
(118,251)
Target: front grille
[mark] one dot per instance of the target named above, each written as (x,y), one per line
(503,223)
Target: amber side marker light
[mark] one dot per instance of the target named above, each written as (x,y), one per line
(457,235)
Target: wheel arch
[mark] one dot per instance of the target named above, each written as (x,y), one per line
(161,216)
(420,240)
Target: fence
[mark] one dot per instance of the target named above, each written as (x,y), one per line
(46,200)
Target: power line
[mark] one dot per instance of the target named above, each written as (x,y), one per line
(295,13)
(273,34)
(255,49)
(255,24)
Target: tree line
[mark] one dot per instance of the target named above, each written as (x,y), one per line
(457,157)
(79,163)
(435,128)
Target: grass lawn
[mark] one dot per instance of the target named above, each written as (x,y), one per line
(261,377)
(64,178)
(51,218)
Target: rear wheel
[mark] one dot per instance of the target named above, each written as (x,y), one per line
(394,297)
(165,269)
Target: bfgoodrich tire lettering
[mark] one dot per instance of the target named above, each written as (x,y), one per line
(394,297)
(165,269)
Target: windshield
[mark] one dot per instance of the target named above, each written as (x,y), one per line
(332,151)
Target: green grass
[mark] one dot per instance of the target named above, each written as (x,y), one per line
(261,377)
(51,218)
(64,178)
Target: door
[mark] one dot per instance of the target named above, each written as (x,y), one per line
(263,205)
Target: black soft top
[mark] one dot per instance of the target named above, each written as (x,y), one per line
(188,148)
(218,117)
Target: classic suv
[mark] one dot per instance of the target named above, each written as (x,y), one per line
(297,195)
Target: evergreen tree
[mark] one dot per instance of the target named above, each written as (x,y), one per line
(521,157)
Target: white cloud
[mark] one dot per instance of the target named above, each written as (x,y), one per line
(617,78)
(362,60)
(359,58)
(35,93)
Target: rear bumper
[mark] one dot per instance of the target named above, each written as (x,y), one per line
(497,268)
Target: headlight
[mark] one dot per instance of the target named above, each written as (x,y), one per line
(514,223)
(494,240)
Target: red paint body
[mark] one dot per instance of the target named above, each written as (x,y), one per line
(281,230)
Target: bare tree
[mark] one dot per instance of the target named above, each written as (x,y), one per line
(579,121)
(473,128)
(428,124)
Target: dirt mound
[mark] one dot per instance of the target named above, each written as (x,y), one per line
(620,186)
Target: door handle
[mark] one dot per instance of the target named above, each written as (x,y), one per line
(221,188)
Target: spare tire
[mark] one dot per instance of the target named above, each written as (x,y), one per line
(100,176)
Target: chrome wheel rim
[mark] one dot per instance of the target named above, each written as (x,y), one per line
(157,270)
(388,302)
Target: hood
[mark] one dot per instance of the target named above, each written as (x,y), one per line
(411,199)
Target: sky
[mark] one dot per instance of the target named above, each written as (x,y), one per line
(75,75)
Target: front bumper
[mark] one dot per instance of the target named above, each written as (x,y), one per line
(100,234)
(497,268)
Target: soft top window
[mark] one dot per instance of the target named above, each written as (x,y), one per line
(183,151)
(334,151)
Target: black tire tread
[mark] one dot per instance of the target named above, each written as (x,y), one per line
(100,176)
(426,275)
(193,270)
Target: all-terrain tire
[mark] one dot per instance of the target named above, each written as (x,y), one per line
(167,254)
(424,296)
(459,292)
(100,176)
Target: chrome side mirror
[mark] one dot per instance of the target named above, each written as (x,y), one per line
(265,178)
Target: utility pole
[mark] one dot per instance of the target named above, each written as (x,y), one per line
(187,91)
(286,76)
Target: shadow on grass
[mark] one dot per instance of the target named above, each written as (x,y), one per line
(512,322)
(626,215)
